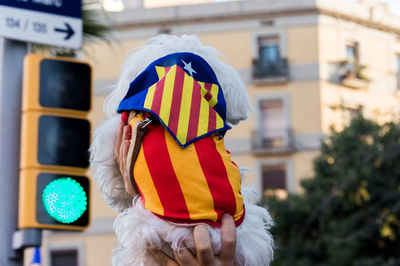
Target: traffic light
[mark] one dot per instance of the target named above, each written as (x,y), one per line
(55,137)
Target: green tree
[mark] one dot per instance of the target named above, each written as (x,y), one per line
(349,213)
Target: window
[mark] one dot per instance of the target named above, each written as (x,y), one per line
(272,123)
(352,57)
(274,181)
(351,72)
(272,134)
(269,50)
(65,254)
(269,63)
(67,257)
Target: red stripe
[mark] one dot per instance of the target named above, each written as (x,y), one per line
(208,94)
(194,112)
(196,222)
(231,161)
(217,178)
(156,105)
(176,100)
(212,119)
(162,172)
(235,164)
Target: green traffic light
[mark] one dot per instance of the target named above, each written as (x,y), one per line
(64,199)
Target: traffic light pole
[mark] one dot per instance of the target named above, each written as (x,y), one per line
(11,64)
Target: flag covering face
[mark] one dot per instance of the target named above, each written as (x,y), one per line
(182,91)
(194,185)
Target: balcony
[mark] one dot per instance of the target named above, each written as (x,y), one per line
(270,72)
(263,145)
(352,75)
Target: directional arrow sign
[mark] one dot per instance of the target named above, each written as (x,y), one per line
(52,22)
(68,31)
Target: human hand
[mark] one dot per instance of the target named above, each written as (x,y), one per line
(205,255)
(121,147)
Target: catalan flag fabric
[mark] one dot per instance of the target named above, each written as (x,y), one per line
(197,184)
(182,91)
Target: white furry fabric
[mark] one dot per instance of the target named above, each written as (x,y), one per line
(107,171)
(136,226)
(138,229)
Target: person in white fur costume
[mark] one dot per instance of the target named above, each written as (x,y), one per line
(165,168)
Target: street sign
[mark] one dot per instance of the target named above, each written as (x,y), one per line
(51,22)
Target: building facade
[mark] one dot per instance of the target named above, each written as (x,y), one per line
(309,66)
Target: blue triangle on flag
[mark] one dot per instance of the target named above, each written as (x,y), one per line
(36,256)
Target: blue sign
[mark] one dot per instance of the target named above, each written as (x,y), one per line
(51,22)
(69,8)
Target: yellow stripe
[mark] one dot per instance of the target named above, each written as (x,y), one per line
(220,122)
(195,190)
(233,176)
(184,113)
(203,90)
(214,93)
(145,183)
(203,117)
(168,90)
(150,96)
(160,71)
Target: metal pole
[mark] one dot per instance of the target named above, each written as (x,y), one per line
(11,61)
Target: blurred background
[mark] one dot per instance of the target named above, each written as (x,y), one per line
(323,77)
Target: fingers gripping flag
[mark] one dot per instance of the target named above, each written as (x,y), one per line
(182,91)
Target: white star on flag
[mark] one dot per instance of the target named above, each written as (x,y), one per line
(188,68)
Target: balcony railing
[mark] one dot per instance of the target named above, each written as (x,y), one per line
(264,70)
(351,75)
(273,145)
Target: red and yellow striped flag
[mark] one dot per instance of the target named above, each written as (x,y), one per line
(197,184)
(184,105)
